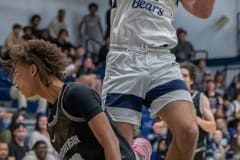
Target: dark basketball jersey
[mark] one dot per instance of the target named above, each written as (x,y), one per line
(196,96)
(68,129)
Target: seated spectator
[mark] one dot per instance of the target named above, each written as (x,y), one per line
(27,33)
(57,24)
(202,86)
(6,134)
(226,137)
(5,118)
(12,39)
(41,134)
(44,34)
(233,87)
(184,50)
(39,152)
(103,52)
(86,75)
(220,82)
(215,100)
(17,147)
(62,40)
(35,21)
(22,101)
(201,69)
(3,150)
(233,111)
(215,150)
(236,148)
(162,150)
(237,130)
(80,52)
(72,69)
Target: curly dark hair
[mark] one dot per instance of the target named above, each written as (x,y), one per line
(48,58)
(34,17)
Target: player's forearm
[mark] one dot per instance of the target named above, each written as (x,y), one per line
(203,8)
(112,151)
(208,126)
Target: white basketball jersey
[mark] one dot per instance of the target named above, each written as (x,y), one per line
(140,23)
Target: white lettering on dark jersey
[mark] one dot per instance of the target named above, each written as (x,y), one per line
(72,141)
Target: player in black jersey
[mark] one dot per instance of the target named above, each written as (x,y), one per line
(205,118)
(78,127)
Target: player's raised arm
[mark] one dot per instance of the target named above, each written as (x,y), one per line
(199,8)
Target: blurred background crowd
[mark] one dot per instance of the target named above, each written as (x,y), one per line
(23,124)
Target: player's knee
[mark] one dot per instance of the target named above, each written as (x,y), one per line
(188,137)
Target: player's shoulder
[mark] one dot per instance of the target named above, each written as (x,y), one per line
(77,87)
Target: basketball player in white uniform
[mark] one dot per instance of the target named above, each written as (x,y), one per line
(141,70)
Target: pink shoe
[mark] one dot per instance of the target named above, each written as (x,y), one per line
(142,148)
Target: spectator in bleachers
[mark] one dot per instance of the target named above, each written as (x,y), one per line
(87,75)
(236,132)
(35,21)
(216,101)
(233,111)
(27,33)
(184,50)
(12,39)
(233,87)
(162,150)
(72,69)
(236,148)
(44,34)
(201,69)
(57,24)
(104,51)
(91,30)
(41,133)
(17,147)
(220,82)
(202,86)
(16,118)
(215,150)
(226,137)
(80,52)
(62,41)
(157,131)
(16,94)
(3,150)
(6,134)
(39,152)
(22,101)
(5,119)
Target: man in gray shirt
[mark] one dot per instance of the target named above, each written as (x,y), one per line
(91,31)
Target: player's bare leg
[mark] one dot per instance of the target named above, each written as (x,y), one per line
(180,118)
